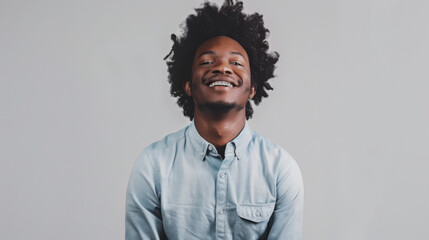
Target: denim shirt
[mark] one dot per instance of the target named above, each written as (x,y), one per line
(181,188)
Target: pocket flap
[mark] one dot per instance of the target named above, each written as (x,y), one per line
(255,212)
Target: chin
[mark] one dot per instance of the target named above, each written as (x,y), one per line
(219,107)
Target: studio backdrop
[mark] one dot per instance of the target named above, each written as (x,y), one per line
(83,89)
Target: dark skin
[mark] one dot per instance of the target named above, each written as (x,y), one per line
(220,112)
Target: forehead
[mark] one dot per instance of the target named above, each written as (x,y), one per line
(221,44)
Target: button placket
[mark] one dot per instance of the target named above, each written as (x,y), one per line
(221,195)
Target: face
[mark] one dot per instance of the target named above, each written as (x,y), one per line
(220,75)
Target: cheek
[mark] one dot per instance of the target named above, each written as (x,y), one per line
(244,74)
(247,81)
(198,74)
(193,86)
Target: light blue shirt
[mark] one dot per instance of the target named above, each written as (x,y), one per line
(181,188)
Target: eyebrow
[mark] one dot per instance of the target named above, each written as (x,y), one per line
(237,53)
(212,53)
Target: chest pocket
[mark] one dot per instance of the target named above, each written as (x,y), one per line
(252,220)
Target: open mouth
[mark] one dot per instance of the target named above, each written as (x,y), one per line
(221,83)
(220,80)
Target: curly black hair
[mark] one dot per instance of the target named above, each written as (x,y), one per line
(210,22)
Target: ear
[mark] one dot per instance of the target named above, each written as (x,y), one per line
(252,91)
(187,88)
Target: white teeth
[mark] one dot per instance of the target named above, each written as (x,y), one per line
(221,83)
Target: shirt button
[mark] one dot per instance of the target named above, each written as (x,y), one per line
(210,147)
(258,214)
(222,175)
(220,211)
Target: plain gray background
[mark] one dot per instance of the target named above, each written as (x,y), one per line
(84,89)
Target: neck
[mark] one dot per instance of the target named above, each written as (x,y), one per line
(219,130)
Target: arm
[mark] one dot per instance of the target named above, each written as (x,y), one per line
(143,214)
(286,221)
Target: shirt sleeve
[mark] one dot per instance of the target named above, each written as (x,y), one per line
(287,219)
(143,218)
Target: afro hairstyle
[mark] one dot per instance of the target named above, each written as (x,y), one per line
(209,22)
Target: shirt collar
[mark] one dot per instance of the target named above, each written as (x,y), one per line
(200,145)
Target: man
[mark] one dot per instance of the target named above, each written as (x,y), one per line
(216,179)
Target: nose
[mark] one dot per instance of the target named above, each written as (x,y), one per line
(222,67)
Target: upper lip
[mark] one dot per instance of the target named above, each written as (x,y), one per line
(220,77)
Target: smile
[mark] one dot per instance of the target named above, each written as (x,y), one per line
(221,83)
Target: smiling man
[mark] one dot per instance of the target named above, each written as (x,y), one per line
(220,88)
(217,179)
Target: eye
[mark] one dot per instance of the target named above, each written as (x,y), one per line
(205,62)
(236,63)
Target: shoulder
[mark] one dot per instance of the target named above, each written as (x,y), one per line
(274,156)
(267,146)
(166,143)
(161,149)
